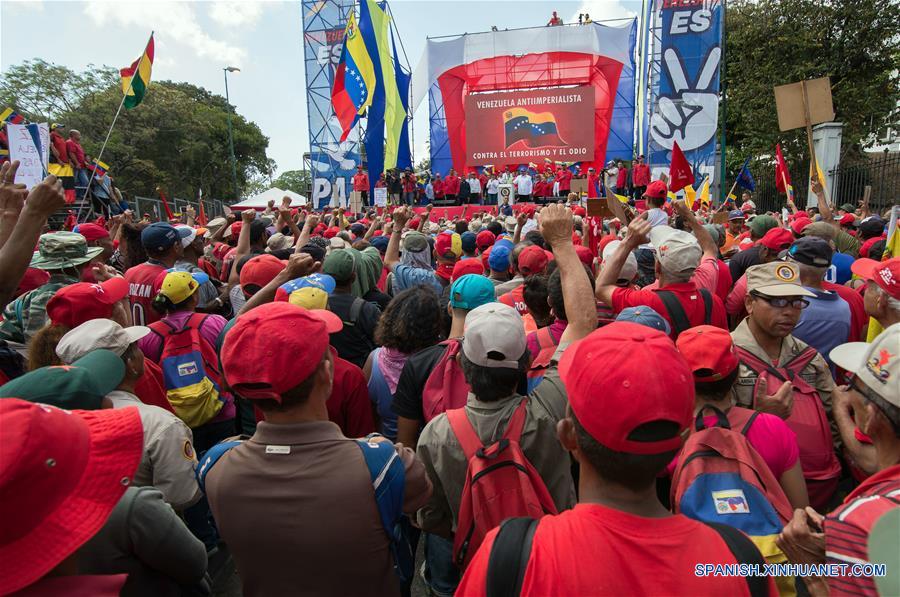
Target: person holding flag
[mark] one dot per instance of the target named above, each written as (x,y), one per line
(783,175)
(354,79)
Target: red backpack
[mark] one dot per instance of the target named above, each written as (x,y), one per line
(500,483)
(808,419)
(446,385)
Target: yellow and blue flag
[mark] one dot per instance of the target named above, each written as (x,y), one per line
(745,179)
(354,79)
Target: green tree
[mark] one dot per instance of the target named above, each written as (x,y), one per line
(773,42)
(298,181)
(177,139)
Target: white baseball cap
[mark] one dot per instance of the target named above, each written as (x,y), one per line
(95,334)
(629,269)
(187,240)
(494,336)
(877,365)
(677,251)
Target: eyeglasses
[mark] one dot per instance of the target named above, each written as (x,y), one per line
(781,302)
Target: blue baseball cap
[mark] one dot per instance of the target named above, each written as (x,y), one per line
(468,242)
(199,277)
(159,236)
(471,291)
(380,243)
(736,214)
(499,258)
(644,315)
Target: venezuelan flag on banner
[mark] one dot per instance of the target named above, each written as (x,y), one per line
(136,78)
(354,79)
(11,116)
(394,115)
(536,129)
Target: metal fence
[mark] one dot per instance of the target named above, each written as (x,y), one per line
(881,171)
(141,205)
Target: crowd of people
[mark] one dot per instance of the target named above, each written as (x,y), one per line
(546,403)
(482,187)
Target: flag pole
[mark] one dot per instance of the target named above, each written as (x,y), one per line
(109,132)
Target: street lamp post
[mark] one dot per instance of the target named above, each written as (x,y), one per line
(226,70)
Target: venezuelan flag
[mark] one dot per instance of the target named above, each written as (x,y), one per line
(100,168)
(136,81)
(535,129)
(354,79)
(11,116)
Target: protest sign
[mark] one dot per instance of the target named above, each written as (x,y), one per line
(598,208)
(505,190)
(30,144)
(579,185)
(380,196)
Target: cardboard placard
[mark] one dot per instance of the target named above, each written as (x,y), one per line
(720,217)
(598,208)
(789,103)
(579,185)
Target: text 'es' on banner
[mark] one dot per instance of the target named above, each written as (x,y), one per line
(525,126)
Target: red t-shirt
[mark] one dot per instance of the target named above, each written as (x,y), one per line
(361,182)
(687,294)
(629,555)
(451,185)
(60,144)
(622,178)
(349,406)
(438,186)
(565,180)
(515,298)
(847,528)
(141,290)
(76,153)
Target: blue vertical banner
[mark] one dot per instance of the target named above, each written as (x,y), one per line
(333,162)
(685,105)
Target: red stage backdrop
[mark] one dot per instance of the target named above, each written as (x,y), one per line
(517,127)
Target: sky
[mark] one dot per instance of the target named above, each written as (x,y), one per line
(195,40)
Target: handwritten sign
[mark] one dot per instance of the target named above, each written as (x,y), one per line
(30,144)
(380,196)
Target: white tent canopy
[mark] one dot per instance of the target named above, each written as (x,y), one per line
(274,194)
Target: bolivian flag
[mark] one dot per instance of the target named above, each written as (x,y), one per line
(136,78)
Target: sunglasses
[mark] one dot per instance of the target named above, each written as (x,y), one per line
(780,302)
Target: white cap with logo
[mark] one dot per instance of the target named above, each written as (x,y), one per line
(677,251)
(877,365)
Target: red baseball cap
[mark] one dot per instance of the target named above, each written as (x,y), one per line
(236,228)
(91,231)
(618,393)
(61,474)
(484,239)
(33,278)
(579,211)
(532,260)
(799,224)
(448,244)
(585,255)
(886,274)
(466,266)
(709,352)
(777,239)
(331,232)
(273,348)
(261,270)
(656,190)
(847,219)
(74,304)
(414,224)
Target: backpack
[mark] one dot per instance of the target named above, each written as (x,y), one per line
(500,483)
(678,317)
(511,552)
(190,371)
(389,482)
(808,419)
(721,478)
(547,346)
(446,385)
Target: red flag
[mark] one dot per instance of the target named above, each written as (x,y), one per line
(100,221)
(782,174)
(169,214)
(70,221)
(201,217)
(680,172)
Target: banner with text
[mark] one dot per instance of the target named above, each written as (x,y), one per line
(519,127)
(30,145)
(685,97)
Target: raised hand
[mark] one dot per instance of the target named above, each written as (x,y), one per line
(12,195)
(780,403)
(556,224)
(248,215)
(46,197)
(638,231)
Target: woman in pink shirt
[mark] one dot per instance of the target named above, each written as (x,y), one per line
(710,353)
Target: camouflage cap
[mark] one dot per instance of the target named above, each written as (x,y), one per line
(59,250)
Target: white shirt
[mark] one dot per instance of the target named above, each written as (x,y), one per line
(168,460)
(474,185)
(493,186)
(611,175)
(429,191)
(656,217)
(523,184)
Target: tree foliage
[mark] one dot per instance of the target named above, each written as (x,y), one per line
(298,181)
(774,42)
(177,138)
